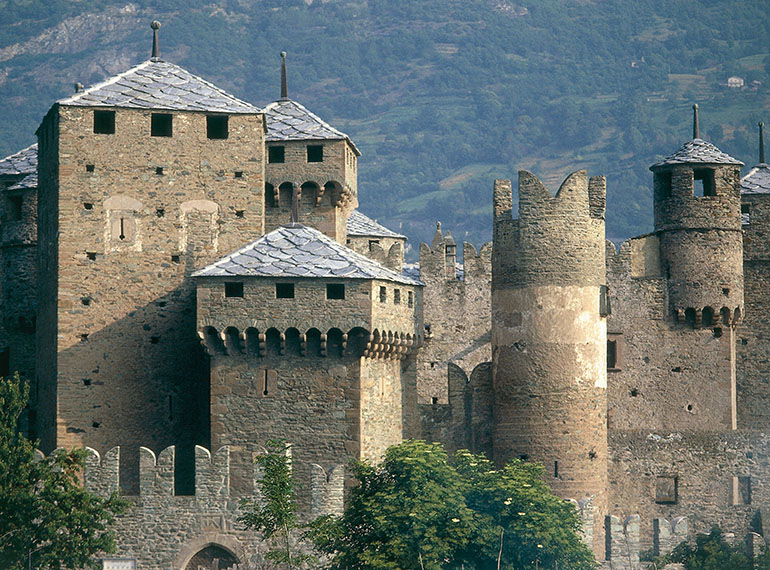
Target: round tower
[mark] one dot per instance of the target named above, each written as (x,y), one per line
(549,308)
(698,220)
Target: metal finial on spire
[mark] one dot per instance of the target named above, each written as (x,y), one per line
(155,45)
(284,83)
(761,143)
(695,126)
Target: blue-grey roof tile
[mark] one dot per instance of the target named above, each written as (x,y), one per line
(757,181)
(158,84)
(299,251)
(360,225)
(287,120)
(22,162)
(697,151)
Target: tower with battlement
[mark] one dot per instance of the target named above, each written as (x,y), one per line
(549,309)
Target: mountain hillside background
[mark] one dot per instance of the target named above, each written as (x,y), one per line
(441,96)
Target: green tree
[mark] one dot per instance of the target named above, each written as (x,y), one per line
(274,513)
(47,519)
(417,510)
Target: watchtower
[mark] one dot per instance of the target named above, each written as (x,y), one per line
(697,194)
(311,162)
(549,308)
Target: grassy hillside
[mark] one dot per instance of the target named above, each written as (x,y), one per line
(441,96)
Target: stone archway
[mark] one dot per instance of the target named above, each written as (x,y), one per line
(212,557)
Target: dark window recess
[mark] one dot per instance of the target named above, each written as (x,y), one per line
(396,296)
(159,170)
(612,354)
(91,255)
(88,206)
(104,122)
(234,289)
(154,339)
(161,125)
(555,468)
(284,290)
(604,301)
(216,126)
(741,490)
(383,294)
(703,182)
(5,362)
(335,291)
(14,207)
(160,212)
(89,167)
(373,242)
(315,153)
(276,154)
(269,383)
(239,173)
(86,301)
(239,213)
(745,208)
(666,490)
(175,259)
(434,400)
(664,184)
(410,299)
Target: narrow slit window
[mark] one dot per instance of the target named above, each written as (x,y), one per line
(315,153)
(604,301)
(335,291)
(745,214)
(396,296)
(556,469)
(410,299)
(284,290)
(663,180)
(122,235)
(161,125)
(612,354)
(104,122)
(234,289)
(276,154)
(266,385)
(217,126)
(383,295)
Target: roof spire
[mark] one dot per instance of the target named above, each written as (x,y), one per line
(155,45)
(761,143)
(695,126)
(284,84)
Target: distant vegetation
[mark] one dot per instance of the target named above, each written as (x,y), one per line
(441,96)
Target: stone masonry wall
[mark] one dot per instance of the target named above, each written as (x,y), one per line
(136,215)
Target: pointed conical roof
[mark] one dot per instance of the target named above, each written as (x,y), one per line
(697,151)
(297,251)
(157,84)
(287,120)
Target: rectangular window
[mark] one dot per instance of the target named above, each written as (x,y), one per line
(5,362)
(104,122)
(14,204)
(276,154)
(410,299)
(383,295)
(161,125)
(335,291)
(234,289)
(741,490)
(315,153)
(373,242)
(666,489)
(604,301)
(614,351)
(284,290)
(662,184)
(396,296)
(703,182)
(216,126)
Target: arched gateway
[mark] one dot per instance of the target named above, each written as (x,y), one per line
(212,557)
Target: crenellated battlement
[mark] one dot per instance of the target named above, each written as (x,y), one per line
(438,261)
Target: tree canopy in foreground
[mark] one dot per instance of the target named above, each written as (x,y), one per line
(419,510)
(46,516)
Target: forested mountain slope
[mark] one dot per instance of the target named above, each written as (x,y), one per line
(441,96)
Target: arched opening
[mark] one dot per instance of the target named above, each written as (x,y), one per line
(285,192)
(332,193)
(270,195)
(272,342)
(708,316)
(232,341)
(725,313)
(737,315)
(313,342)
(212,341)
(252,341)
(334,343)
(292,342)
(309,193)
(689,316)
(213,557)
(357,341)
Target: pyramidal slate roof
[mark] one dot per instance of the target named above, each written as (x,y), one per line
(362,225)
(23,162)
(157,84)
(287,120)
(697,151)
(297,251)
(757,181)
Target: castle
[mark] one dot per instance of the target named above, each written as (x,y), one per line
(182,271)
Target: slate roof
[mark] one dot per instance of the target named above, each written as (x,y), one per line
(23,162)
(157,84)
(287,120)
(298,251)
(697,151)
(29,181)
(361,225)
(757,181)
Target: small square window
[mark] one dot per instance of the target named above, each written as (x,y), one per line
(234,289)
(104,122)
(703,182)
(383,294)
(159,170)
(284,290)
(216,126)
(335,291)
(666,489)
(161,125)
(396,296)
(276,154)
(410,299)
(315,153)
(89,167)
(239,173)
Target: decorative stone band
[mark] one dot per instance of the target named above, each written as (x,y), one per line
(391,346)
(708,317)
(341,194)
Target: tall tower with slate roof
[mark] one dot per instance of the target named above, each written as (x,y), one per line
(309,157)
(144,178)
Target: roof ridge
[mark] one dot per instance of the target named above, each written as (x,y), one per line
(109,81)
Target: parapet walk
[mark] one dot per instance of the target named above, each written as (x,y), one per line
(212,478)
